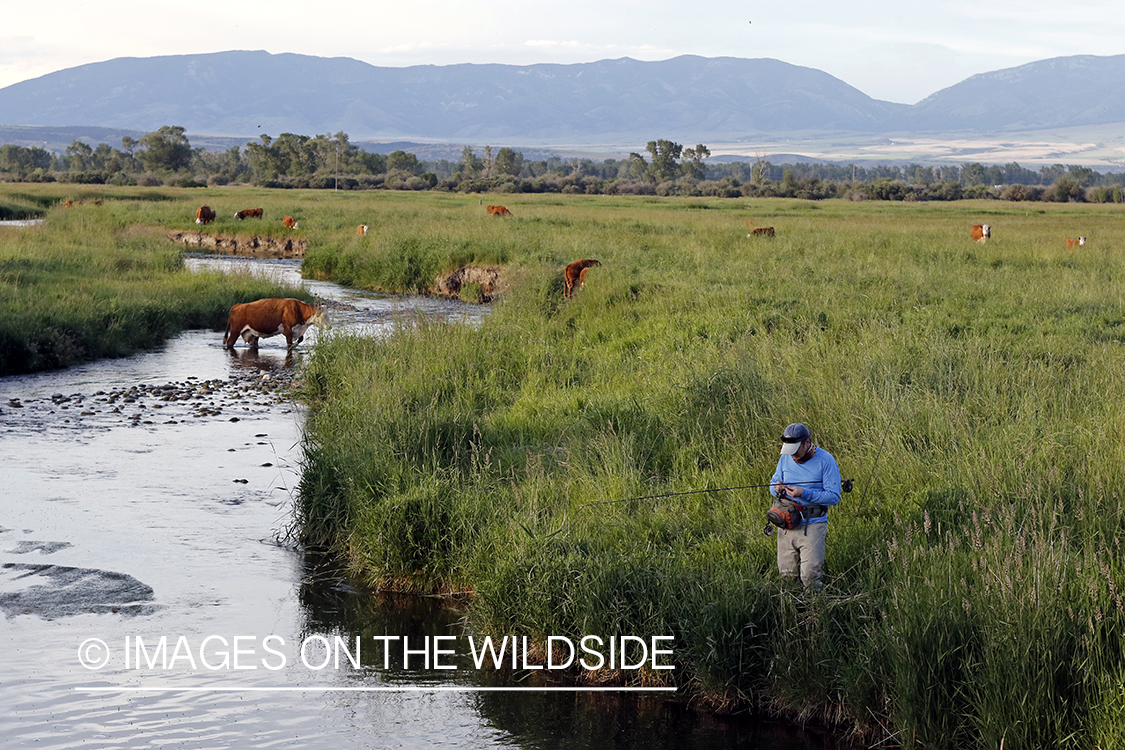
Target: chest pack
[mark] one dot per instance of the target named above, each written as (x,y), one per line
(785,513)
(788,513)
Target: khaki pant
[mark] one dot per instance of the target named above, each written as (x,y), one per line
(800,553)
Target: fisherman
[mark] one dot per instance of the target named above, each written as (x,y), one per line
(807,474)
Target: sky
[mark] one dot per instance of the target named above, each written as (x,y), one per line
(894,50)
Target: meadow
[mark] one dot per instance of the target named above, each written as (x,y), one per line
(974,576)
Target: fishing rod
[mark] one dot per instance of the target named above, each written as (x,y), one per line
(845,485)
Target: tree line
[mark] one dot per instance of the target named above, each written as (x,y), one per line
(332,161)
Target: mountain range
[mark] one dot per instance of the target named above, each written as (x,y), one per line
(690,99)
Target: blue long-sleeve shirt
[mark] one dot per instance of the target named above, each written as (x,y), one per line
(818,478)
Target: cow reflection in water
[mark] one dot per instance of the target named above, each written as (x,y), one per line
(264,361)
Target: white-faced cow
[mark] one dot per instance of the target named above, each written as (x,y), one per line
(1071,244)
(290,222)
(204,215)
(981,232)
(270,317)
(361,229)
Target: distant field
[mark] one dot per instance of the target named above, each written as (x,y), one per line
(1102,148)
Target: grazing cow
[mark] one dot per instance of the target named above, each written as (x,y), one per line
(204,215)
(249,213)
(498,211)
(981,232)
(576,273)
(361,229)
(1071,244)
(290,222)
(269,317)
(762,232)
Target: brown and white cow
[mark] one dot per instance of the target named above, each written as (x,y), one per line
(981,232)
(575,273)
(361,229)
(270,317)
(204,215)
(1071,244)
(762,232)
(498,211)
(290,222)
(249,213)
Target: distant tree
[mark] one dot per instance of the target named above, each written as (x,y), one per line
(508,162)
(693,161)
(128,147)
(470,165)
(760,171)
(296,155)
(665,160)
(345,152)
(401,161)
(20,161)
(79,155)
(1082,176)
(108,158)
(972,174)
(638,167)
(1065,189)
(265,160)
(165,149)
(369,162)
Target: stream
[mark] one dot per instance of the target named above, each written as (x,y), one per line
(149,596)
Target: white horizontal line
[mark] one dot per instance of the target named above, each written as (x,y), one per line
(398,689)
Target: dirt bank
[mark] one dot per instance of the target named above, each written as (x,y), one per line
(453,285)
(254,246)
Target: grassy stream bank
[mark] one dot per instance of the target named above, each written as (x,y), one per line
(974,588)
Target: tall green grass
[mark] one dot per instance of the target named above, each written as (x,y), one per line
(974,578)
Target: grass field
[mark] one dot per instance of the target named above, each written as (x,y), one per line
(974,577)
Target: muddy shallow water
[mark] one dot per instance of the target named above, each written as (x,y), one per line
(147,498)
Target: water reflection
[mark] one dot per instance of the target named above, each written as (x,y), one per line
(265,360)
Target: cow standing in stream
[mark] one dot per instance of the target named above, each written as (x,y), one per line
(270,317)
